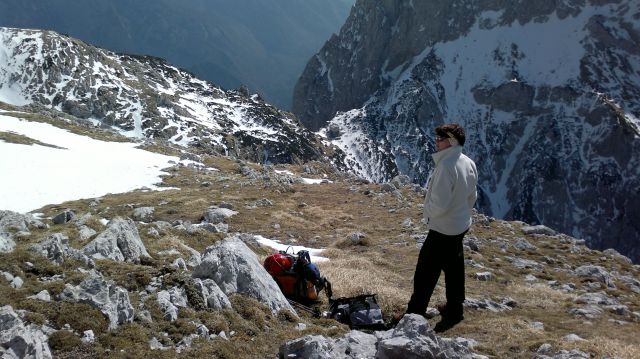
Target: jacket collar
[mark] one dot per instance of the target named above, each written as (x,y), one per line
(450,152)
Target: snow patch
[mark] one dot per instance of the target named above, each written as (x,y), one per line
(275,244)
(34,176)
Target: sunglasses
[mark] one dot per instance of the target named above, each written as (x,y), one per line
(438,138)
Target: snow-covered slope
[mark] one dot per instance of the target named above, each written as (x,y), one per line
(145,97)
(549,94)
(64,166)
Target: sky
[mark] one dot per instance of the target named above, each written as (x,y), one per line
(32,176)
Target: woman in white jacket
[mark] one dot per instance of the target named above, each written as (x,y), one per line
(451,194)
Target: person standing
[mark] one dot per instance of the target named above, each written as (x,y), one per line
(451,194)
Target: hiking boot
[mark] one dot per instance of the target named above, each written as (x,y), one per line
(446,312)
(447,322)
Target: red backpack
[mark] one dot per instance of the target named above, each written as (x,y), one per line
(292,274)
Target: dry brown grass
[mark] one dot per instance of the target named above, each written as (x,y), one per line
(11,137)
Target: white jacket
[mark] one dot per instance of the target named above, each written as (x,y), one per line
(451,192)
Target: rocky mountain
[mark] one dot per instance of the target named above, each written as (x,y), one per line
(263,44)
(146,97)
(548,91)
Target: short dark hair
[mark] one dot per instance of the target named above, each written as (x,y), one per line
(451,129)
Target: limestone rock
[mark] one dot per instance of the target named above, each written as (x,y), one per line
(110,299)
(19,222)
(596,273)
(170,301)
(143,213)
(213,296)
(411,338)
(119,242)
(7,245)
(236,269)
(539,229)
(20,340)
(215,215)
(64,217)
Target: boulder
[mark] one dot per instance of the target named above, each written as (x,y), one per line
(86,232)
(143,213)
(388,187)
(236,269)
(119,242)
(540,229)
(215,215)
(56,248)
(590,311)
(486,304)
(112,300)
(411,338)
(42,295)
(7,245)
(596,273)
(64,217)
(522,244)
(631,282)
(18,340)
(19,222)
(170,301)
(525,263)
(354,344)
(401,181)
(483,276)
(596,298)
(213,296)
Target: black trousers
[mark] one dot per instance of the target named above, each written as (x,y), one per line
(439,252)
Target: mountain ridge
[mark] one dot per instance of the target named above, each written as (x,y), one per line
(146,97)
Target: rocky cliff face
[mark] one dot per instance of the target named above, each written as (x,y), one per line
(549,93)
(145,97)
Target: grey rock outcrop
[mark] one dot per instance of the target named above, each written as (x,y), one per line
(19,340)
(11,222)
(412,338)
(56,248)
(64,217)
(539,229)
(597,273)
(143,213)
(112,300)
(395,71)
(213,296)
(171,301)
(216,215)
(486,304)
(353,345)
(236,269)
(19,222)
(119,242)
(7,245)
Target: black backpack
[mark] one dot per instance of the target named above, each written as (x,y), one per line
(361,312)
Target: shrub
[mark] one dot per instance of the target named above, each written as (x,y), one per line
(64,340)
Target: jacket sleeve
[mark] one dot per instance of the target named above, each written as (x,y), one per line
(440,194)
(473,177)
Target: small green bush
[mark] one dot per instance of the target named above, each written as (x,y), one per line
(64,340)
